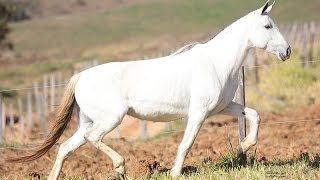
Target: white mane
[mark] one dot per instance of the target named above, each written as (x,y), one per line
(185,48)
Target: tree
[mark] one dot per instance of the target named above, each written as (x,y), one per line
(5,13)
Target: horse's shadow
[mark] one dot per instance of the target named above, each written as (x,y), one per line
(186,171)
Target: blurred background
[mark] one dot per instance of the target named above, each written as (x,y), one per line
(44,42)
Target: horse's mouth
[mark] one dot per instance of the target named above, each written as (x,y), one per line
(283,57)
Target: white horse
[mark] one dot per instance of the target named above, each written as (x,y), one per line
(197,83)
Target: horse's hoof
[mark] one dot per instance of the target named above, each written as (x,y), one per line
(120,176)
(175,174)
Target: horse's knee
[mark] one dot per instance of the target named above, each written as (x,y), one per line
(254,115)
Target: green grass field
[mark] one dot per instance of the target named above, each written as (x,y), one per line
(88,30)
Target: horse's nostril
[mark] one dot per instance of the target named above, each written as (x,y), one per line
(288,51)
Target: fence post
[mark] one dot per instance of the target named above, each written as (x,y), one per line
(240,98)
(304,45)
(311,43)
(2,118)
(12,121)
(21,119)
(255,67)
(293,36)
(45,94)
(95,63)
(168,126)
(144,131)
(317,41)
(52,93)
(37,100)
(43,115)
(29,109)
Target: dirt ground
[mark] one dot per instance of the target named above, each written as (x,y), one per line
(277,140)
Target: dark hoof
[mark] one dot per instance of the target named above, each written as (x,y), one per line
(121,176)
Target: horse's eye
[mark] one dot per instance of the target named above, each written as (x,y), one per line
(269,26)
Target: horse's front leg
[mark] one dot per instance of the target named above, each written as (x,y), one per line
(195,120)
(237,110)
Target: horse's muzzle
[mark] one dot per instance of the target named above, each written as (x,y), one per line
(285,56)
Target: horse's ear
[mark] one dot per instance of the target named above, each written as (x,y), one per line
(264,8)
(269,7)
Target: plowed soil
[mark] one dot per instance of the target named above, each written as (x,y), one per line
(277,140)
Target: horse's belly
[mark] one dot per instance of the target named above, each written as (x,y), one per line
(157,112)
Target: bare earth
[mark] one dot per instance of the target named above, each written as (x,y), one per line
(276,141)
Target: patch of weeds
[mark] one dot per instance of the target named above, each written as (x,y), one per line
(8,93)
(50,68)
(179,126)
(230,160)
(236,160)
(163,134)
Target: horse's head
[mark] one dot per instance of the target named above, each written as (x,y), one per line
(263,33)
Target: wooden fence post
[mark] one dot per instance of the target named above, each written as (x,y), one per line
(304,46)
(12,122)
(21,119)
(52,93)
(45,94)
(168,126)
(4,121)
(37,100)
(317,41)
(311,43)
(293,36)
(2,118)
(43,120)
(95,62)
(240,98)
(144,130)
(29,110)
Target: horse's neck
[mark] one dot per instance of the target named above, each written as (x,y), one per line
(228,49)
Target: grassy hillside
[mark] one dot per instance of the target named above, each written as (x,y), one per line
(139,21)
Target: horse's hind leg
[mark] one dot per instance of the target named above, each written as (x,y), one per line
(69,146)
(235,109)
(100,128)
